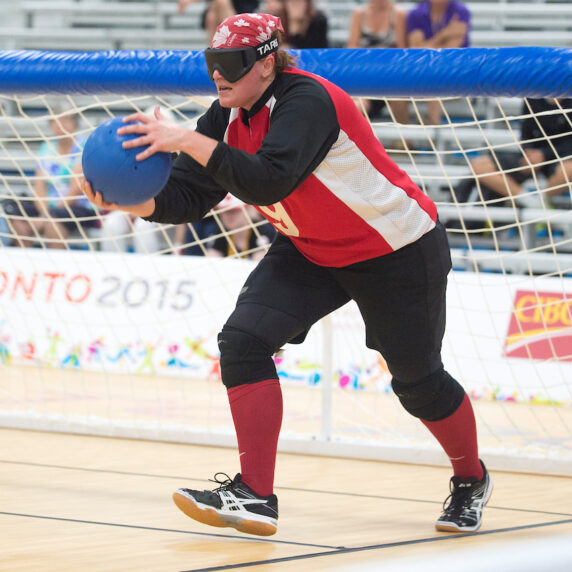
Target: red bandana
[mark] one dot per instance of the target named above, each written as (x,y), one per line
(245,30)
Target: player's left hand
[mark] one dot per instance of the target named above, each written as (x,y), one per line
(156,132)
(95,198)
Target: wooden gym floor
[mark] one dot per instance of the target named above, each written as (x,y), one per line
(72,502)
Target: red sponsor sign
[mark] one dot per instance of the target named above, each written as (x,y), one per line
(540,326)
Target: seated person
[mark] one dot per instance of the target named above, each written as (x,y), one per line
(219,10)
(58,206)
(5,232)
(307,27)
(546,140)
(240,239)
(123,233)
(276,8)
(191,239)
(438,24)
(379,24)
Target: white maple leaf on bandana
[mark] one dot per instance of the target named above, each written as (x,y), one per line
(220,37)
(245,40)
(241,23)
(263,35)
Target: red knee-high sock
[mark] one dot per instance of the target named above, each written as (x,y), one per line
(257,414)
(457,434)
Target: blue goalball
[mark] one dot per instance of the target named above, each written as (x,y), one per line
(114,171)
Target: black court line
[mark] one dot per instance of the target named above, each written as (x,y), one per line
(92,470)
(156,529)
(450,538)
(408,499)
(294,489)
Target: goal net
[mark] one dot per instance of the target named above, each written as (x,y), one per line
(108,324)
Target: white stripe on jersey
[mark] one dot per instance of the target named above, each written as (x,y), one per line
(234,115)
(351,177)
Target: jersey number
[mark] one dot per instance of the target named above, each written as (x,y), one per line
(278,216)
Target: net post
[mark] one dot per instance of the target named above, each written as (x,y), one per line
(327,378)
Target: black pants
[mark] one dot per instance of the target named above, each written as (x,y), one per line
(401,297)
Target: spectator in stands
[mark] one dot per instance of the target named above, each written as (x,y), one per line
(277,8)
(379,24)
(307,26)
(58,206)
(240,240)
(192,238)
(218,10)
(5,233)
(546,141)
(438,24)
(124,233)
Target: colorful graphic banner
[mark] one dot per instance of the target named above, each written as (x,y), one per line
(149,315)
(508,338)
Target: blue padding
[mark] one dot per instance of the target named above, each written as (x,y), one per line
(508,72)
(501,72)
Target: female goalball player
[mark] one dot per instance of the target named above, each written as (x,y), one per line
(352,226)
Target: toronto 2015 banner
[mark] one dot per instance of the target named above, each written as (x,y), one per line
(508,338)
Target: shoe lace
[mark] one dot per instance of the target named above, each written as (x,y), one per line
(459,498)
(222,480)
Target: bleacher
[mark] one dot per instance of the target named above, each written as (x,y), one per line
(102,25)
(437,160)
(156,24)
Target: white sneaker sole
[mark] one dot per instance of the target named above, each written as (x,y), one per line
(246,522)
(446,526)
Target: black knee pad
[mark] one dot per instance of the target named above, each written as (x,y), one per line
(244,358)
(414,371)
(432,398)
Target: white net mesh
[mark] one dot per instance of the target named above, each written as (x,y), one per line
(108,324)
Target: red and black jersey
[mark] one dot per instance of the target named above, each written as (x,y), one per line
(311,164)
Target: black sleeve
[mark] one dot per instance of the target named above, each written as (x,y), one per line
(303,127)
(190,192)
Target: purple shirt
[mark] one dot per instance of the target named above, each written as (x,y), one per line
(420,19)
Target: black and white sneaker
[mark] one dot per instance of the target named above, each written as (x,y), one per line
(232,504)
(464,511)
